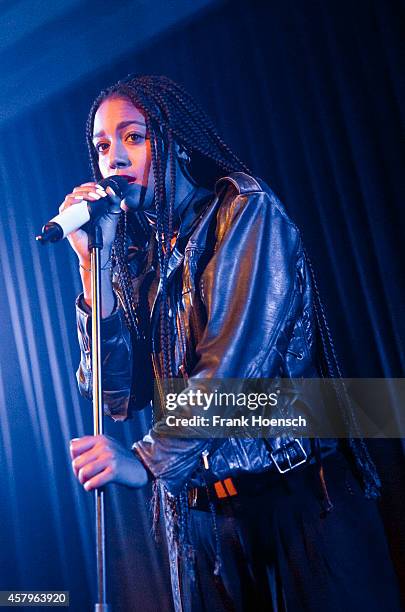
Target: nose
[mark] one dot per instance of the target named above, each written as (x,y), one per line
(118,157)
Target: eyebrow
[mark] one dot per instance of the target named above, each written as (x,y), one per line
(120,126)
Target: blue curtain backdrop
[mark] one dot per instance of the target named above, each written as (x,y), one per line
(308,94)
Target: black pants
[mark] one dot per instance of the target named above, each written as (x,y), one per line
(281,553)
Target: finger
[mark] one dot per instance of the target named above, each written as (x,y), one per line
(92,469)
(85,193)
(88,187)
(84,458)
(110,191)
(98,451)
(93,195)
(76,198)
(69,200)
(101,479)
(79,445)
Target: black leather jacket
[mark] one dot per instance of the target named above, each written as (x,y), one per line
(241,306)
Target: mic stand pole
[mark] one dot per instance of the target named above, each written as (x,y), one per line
(95,248)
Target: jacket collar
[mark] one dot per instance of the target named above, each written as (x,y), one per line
(191,212)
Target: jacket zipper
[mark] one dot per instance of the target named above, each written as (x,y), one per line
(158,382)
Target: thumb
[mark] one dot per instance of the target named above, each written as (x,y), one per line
(115,201)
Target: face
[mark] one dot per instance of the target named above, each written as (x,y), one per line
(119,136)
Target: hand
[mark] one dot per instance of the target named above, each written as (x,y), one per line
(98,460)
(78,240)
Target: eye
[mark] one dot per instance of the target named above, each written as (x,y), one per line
(134,137)
(101,147)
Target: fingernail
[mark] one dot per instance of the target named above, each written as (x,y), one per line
(93,194)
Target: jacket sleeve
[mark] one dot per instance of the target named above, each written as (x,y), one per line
(248,288)
(127,378)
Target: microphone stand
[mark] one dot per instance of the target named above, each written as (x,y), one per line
(95,248)
(53,231)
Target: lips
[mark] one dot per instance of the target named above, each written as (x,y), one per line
(130,179)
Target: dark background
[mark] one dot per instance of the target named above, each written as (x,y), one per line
(308,93)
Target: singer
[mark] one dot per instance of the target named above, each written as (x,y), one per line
(205,276)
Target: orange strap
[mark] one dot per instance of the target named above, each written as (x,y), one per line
(230,487)
(219,489)
(223,491)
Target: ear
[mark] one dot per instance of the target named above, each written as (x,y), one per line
(183,158)
(182,153)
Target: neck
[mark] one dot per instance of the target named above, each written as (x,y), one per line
(184,189)
(184,193)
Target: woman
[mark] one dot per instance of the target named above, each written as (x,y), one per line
(205,277)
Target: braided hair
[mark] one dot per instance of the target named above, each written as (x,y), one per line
(171,116)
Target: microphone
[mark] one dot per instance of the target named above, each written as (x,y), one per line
(78,215)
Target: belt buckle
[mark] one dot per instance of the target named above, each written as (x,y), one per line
(282,455)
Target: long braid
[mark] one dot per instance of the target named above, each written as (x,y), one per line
(119,256)
(357,444)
